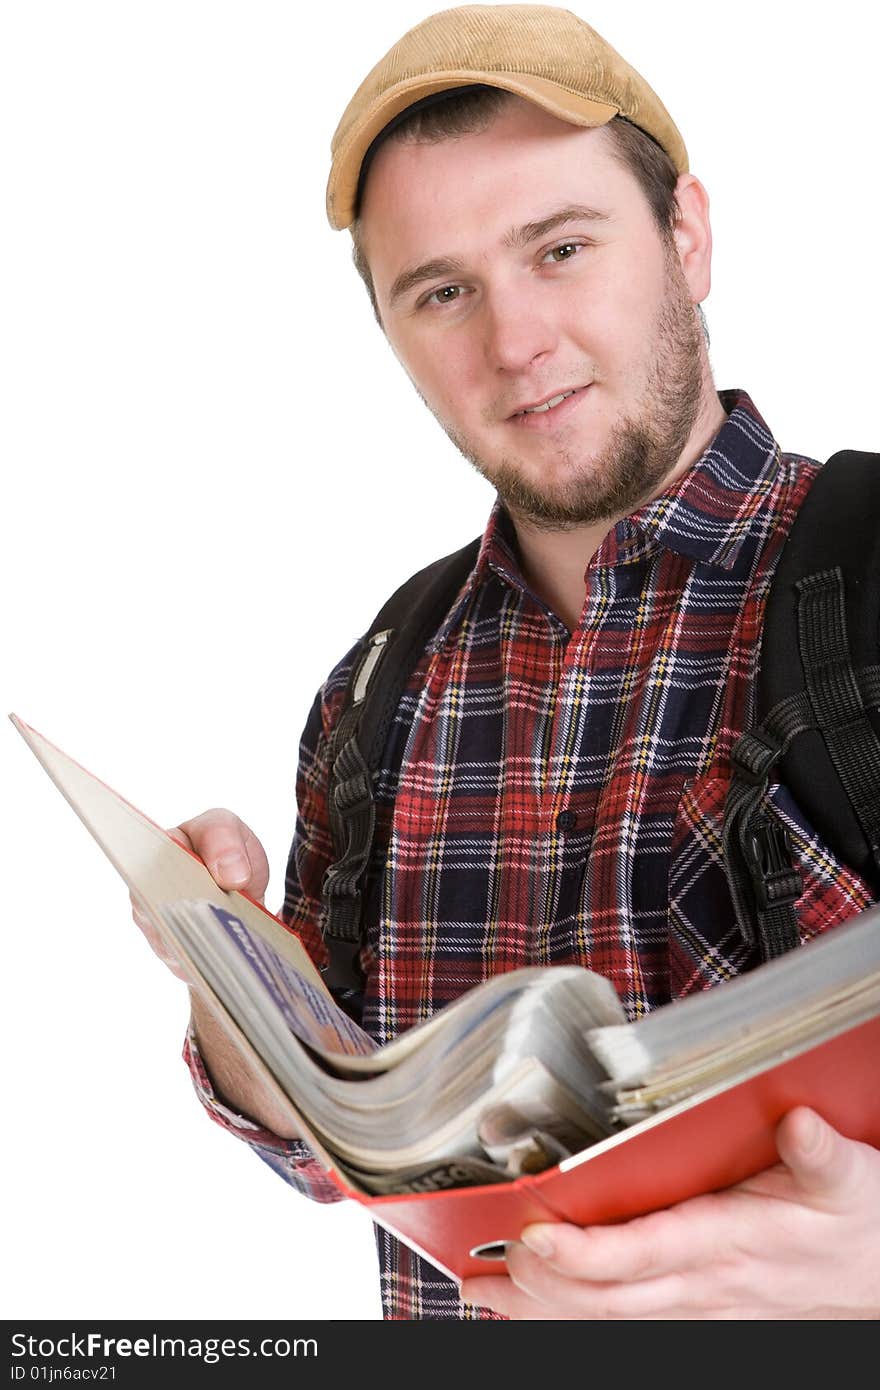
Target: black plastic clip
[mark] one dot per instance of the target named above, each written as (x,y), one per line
(343,969)
(776,881)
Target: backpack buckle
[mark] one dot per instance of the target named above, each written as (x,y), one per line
(776,881)
(343,968)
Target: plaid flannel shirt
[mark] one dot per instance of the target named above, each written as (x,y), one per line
(560,795)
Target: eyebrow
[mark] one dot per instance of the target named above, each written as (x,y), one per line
(515,238)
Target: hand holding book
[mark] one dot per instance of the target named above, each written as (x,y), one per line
(234,857)
(798,1240)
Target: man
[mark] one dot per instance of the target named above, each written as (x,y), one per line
(536,250)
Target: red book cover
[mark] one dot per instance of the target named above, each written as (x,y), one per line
(700,1146)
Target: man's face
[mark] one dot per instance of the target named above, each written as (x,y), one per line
(594,305)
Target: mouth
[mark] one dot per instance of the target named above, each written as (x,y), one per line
(551,411)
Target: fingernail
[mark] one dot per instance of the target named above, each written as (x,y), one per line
(232,868)
(536,1239)
(812,1134)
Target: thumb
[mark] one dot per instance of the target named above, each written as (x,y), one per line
(820,1160)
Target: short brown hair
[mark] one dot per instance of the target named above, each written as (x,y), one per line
(473,109)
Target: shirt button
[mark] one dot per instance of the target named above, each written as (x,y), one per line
(566,820)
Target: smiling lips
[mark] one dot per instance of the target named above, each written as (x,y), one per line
(554,406)
(548,405)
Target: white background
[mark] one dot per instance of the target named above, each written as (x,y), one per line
(214,473)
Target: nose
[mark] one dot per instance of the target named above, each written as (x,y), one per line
(518,329)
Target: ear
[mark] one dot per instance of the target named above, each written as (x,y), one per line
(693,235)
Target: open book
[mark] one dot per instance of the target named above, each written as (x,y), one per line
(525,1069)
(524,1077)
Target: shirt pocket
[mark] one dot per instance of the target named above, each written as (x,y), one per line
(706,945)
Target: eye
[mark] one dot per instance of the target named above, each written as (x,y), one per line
(571,247)
(444,289)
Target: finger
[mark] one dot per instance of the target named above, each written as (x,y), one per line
(823,1164)
(583,1298)
(230,850)
(596,1305)
(259,865)
(165,953)
(156,941)
(217,838)
(142,918)
(689,1235)
(179,834)
(501,1295)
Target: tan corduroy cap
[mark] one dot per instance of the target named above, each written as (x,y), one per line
(547,55)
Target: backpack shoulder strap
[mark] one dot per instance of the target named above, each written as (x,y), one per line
(389,651)
(818,702)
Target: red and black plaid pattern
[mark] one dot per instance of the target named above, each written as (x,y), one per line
(560,795)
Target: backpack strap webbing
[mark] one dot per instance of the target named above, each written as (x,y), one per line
(818,703)
(388,653)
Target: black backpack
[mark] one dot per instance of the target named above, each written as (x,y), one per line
(816,730)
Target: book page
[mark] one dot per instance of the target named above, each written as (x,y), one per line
(208,932)
(159,870)
(155,866)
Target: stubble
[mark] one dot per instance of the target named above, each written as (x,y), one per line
(644,446)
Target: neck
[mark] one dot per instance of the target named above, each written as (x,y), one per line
(554,562)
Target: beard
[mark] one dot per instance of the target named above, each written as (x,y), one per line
(643,447)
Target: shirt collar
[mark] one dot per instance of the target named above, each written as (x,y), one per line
(710,511)
(706,515)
